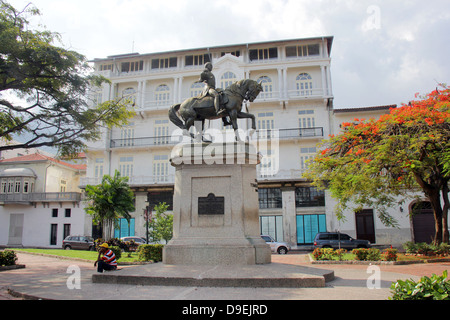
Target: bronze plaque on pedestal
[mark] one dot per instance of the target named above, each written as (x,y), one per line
(211,205)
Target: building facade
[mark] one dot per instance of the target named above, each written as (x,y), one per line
(295,112)
(40,202)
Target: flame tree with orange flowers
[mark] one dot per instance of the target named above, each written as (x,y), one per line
(382,163)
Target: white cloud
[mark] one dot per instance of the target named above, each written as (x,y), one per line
(383,52)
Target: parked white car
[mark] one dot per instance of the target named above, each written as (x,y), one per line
(279,247)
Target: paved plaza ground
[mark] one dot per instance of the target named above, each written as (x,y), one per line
(48,278)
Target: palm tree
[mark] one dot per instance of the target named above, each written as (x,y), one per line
(109,201)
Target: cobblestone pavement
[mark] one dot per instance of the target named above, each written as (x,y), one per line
(47,278)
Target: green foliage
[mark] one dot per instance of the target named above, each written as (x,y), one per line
(54,87)
(370,254)
(426,249)
(161,225)
(109,201)
(390,254)
(328,253)
(434,288)
(7,258)
(147,252)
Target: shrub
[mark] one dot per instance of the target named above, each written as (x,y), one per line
(390,254)
(147,252)
(328,253)
(7,258)
(373,254)
(410,247)
(425,249)
(361,254)
(339,252)
(370,254)
(434,288)
(443,249)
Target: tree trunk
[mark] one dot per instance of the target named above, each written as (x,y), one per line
(434,195)
(435,199)
(445,234)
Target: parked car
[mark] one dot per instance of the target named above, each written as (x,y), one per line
(333,239)
(137,240)
(78,243)
(279,247)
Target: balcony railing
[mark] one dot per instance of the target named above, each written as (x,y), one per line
(134,180)
(293,133)
(284,174)
(40,197)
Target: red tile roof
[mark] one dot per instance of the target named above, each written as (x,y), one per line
(41,157)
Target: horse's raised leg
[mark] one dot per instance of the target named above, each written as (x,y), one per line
(243,115)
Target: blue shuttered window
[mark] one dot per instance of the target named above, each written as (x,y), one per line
(125,229)
(308,226)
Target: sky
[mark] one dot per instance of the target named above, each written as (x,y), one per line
(384,51)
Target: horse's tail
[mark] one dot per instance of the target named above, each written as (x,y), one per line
(174,117)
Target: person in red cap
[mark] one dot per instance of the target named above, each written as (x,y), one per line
(108,261)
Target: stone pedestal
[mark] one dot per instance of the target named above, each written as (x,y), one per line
(215,206)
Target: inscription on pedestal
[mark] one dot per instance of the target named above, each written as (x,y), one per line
(211,205)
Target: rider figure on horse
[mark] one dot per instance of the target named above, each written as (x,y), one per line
(208,77)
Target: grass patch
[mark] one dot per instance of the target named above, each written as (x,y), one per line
(80,254)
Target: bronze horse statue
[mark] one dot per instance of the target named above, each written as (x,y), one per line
(202,108)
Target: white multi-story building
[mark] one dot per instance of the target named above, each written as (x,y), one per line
(297,102)
(40,202)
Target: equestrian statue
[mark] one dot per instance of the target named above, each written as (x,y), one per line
(214,103)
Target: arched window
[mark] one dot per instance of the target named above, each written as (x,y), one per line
(162,95)
(227,79)
(304,84)
(129,93)
(266,83)
(197,88)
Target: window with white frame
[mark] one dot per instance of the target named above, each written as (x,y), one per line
(62,185)
(126,166)
(17,185)
(129,94)
(4,186)
(127,135)
(197,60)
(306,119)
(164,63)
(272,226)
(306,154)
(266,84)
(98,168)
(303,51)
(162,95)
(132,66)
(105,67)
(161,167)
(10,186)
(161,131)
(265,120)
(227,79)
(263,54)
(269,162)
(196,89)
(304,84)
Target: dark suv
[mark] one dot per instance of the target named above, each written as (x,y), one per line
(78,243)
(332,240)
